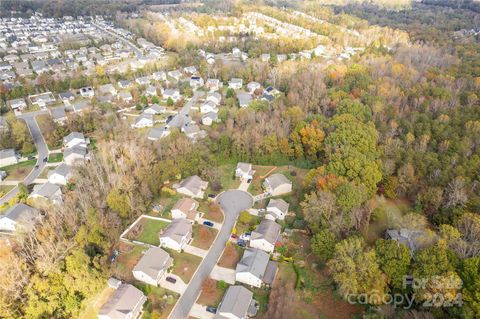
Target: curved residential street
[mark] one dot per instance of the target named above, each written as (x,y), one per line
(232,202)
(42,151)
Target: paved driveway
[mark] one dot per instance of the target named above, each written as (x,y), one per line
(42,151)
(200,312)
(221,273)
(232,203)
(178,287)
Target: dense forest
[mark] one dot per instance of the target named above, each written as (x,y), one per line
(398,124)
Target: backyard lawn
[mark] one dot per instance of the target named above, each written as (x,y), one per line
(147,231)
(19,171)
(203,236)
(184,265)
(126,261)
(160,301)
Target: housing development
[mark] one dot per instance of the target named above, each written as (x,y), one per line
(239,159)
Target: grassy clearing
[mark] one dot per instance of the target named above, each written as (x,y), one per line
(55,158)
(184,265)
(203,236)
(19,171)
(147,231)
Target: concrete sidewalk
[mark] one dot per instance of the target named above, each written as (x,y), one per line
(244,185)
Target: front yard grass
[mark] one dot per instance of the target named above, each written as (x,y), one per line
(19,171)
(212,211)
(184,264)
(147,231)
(231,256)
(203,236)
(211,294)
(55,157)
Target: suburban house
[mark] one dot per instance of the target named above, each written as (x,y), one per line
(81,106)
(277,184)
(265,236)
(87,91)
(177,234)
(144,120)
(152,266)
(125,96)
(58,114)
(143,80)
(173,94)
(74,139)
(185,208)
(190,70)
(17,104)
(244,171)
(107,89)
(208,107)
(19,217)
(196,82)
(192,186)
(237,303)
(235,83)
(159,76)
(213,84)
(155,109)
(253,86)
(60,175)
(209,118)
(277,208)
(255,268)
(175,74)
(125,303)
(412,239)
(214,97)
(75,154)
(8,157)
(151,91)
(244,99)
(123,84)
(47,191)
(157,133)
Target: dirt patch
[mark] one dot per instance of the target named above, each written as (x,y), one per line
(231,256)
(211,294)
(214,213)
(203,236)
(128,257)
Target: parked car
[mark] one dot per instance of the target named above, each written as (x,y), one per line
(45,159)
(171,279)
(31,158)
(211,196)
(212,309)
(249,181)
(246,236)
(234,236)
(36,166)
(208,223)
(241,243)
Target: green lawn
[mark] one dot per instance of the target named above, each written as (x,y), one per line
(20,170)
(160,301)
(55,157)
(44,173)
(147,230)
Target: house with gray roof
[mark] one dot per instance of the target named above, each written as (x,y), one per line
(277,184)
(125,303)
(152,266)
(74,155)
(144,120)
(47,191)
(235,83)
(251,269)
(58,114)
(8,156)
(157,133)
(192,186)
(277,208)
(66,97)
(60,175)
(73,139)
(265,235)
(244,171)
(81,106)
(412,239)
(177,234)
(19,217)
(237,303)
(155,109)
(17,104)
(244,99)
